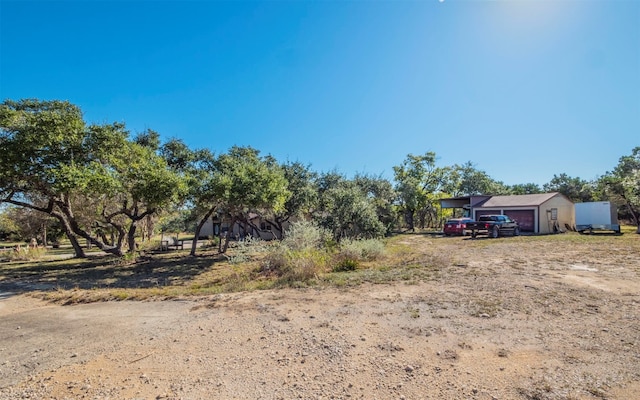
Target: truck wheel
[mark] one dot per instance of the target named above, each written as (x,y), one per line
(516,232)
(495,232)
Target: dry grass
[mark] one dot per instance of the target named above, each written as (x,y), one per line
(410,258)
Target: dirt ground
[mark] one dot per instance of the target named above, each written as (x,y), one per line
(510,318)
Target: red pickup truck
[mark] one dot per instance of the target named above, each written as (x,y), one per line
(494,226)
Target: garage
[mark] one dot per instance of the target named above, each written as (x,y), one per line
(526,219)
(536,213)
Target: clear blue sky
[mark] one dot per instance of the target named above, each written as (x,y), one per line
(523,89)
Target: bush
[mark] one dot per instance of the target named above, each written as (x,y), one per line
(294,265)
(301,255)
(25,253)
(345,265)
(308,251)
(361,250)
(305,235)
(246,248)
(301,263)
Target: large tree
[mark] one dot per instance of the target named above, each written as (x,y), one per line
(525,188)
(95,181)
(576,189)
(244,183)
(346,208)
(36,139)
(197,169)
(418,182)
(381,193)
(467,180)
(623,184)
(303,196)
(25,223)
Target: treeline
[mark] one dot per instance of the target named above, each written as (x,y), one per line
(96,182)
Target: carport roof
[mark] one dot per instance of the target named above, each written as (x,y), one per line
(517,200)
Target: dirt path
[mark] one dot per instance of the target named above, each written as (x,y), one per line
(547,325)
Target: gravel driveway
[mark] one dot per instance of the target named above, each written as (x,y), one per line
(542,322)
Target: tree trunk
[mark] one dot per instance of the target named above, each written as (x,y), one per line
(131,237)
(76,246)
(226,242)
(408,217)
(77,249)
(203,221)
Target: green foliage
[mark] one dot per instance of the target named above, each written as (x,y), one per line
(24,224)
(467,180)
(365,250)
(576,189)
(303,195)
(246,249)
(149,139)
(303,235)
(92,179)
(346,265)
(381,193)
(245,183)
(351,252)
(305,254)
(347,210)
(9,228)
(300,256)
(525,188)
(177,221)
(418,183)
(623,185)
(294,265)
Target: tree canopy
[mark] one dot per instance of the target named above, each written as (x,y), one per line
(95,181)
(100,185)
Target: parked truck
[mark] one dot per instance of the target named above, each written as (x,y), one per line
(596,215)
(494,226)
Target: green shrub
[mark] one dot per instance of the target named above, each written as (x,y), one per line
(361,250)
(291,265)
(245,249)
(345,265)
(305,235)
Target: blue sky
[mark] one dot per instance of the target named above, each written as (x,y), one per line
(523,89)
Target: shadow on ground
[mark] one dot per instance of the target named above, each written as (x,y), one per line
(103,271)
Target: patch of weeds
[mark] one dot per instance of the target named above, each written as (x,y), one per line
(541,390)
(413,312)
(486,308)
(362,249)
(343,279)
(390,347)
(25,253)
(245,249)
(346,265)
(120,295)
(465,346)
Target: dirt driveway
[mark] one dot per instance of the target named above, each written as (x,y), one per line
(520,318)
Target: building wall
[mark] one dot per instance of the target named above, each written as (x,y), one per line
(565,215)
(209,229)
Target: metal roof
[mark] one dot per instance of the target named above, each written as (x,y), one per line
(517,200)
